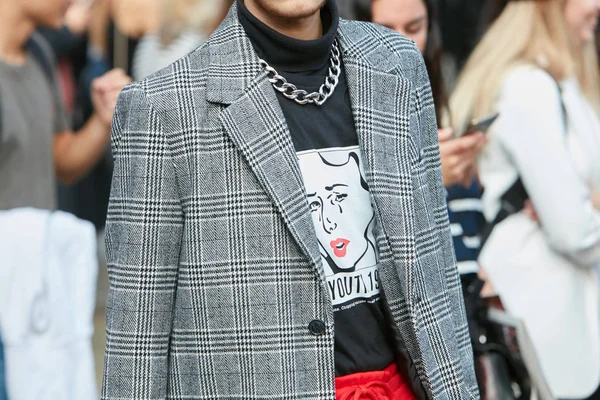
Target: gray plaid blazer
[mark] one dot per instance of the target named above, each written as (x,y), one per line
(215,272)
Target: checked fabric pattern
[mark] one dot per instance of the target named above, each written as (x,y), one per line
(214,267)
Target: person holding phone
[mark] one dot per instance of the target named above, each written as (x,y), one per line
(545,147)
(416,20)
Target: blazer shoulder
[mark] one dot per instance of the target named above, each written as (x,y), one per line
(368,38)
(381,48)
(187,73)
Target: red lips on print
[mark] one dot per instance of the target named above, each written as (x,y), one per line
(339,246)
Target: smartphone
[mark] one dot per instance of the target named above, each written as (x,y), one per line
(481,124)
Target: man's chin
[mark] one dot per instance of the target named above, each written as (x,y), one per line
(292,9)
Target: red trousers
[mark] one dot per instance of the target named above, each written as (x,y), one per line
(388,384)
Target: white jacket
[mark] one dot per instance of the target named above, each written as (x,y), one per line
(546,273)
(48,271)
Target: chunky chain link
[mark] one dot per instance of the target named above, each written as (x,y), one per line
(300,96)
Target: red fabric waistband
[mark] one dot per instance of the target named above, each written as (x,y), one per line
(387,384)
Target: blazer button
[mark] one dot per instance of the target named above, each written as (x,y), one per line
(317,327)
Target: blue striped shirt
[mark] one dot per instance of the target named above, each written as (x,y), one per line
(465,211)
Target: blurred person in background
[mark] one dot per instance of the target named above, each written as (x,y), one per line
(78,64)
(83,54)
(37,146)
(416,20)
(536,66)
(116,30)
(184,25)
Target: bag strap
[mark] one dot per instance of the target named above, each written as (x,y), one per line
(43,55)
(563,108)
(513,200)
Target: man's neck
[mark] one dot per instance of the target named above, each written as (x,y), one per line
(308,28)
(15,30)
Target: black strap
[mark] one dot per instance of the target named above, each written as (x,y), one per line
(513,200)
(43,55)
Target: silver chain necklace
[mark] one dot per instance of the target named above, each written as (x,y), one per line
(300,96)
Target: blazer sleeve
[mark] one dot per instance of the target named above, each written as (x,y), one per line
(531,129)
(437,204)
(143,239)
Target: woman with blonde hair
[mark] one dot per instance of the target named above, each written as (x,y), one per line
(184,25)
(536,67)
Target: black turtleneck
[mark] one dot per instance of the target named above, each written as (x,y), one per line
(305,63)
(318,133)
(287,54)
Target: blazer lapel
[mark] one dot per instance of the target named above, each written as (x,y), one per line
(255,122)
(381,104)
(381,107)
(257,126)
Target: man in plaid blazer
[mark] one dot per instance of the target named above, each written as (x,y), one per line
(219,278)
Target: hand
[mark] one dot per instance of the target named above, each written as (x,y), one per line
(529,210)
(78,16)
(459,156)
(105,92)
(487,290)
(596,199)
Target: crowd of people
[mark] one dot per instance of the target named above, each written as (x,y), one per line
(515,85)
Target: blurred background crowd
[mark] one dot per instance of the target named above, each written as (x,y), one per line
(517,94)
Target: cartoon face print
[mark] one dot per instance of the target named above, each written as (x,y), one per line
(340,206)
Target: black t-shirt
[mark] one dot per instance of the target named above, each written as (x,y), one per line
(340,203)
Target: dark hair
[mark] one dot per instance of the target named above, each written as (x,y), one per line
(491,11)
(433,61)
(361,10)
(358,10)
